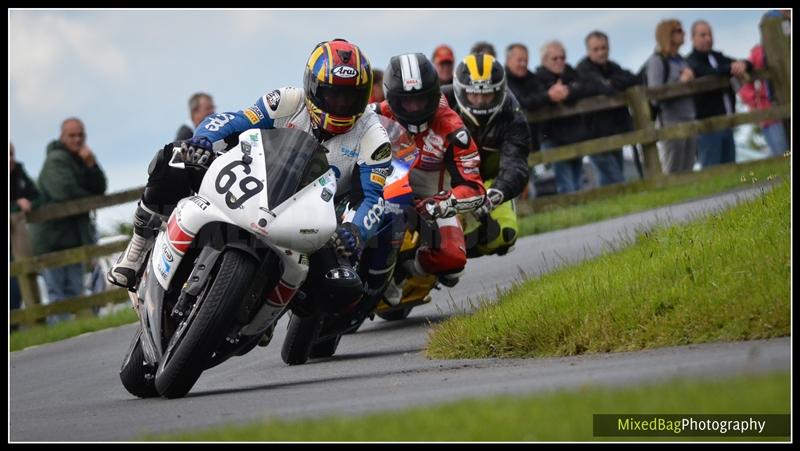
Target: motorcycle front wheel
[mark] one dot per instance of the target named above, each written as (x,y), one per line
(192,345)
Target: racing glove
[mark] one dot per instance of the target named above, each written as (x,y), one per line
(347,242)
(494,197)
(441,205)
(197,151)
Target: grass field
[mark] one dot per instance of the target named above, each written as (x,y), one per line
(554,416)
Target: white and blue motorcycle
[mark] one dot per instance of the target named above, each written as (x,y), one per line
(229,260)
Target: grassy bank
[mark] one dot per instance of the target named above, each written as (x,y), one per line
(724,277)
(45,334)
(560,218)
(555,416)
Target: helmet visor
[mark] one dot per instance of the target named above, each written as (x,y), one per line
(416,107)
(340,100)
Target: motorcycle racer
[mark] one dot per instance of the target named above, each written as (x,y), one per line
(331,106)
(495,120)
(445,176)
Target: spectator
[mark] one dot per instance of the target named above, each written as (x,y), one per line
(443,59)
(715,147)
(756,95)
(70,172)
(561,84)
(483,47)
(608,122)
(200,106)
(528,91)
(377,86)
(677,155)
(23,196)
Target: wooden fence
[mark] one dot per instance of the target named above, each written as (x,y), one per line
(776,45)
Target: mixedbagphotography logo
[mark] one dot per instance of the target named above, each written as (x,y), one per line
(691,425)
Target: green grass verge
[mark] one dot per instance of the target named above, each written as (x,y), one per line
(563,217)
(45,334)
(553,416)
(723,277)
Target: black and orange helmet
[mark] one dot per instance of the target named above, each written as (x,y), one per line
(337,85)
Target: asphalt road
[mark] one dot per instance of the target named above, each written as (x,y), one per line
(70,390)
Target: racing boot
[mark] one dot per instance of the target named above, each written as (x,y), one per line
(130,265)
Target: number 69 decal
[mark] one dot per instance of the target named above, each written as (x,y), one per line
(250,186)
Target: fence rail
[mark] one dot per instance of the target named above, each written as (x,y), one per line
(637,99)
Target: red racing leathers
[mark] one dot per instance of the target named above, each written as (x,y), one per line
(448,161)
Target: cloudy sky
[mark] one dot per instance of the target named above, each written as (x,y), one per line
(129,73)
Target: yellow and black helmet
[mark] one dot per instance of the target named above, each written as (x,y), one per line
(479,85)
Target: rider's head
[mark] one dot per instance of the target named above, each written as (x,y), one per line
(337,85)
(411,86)
(479,86)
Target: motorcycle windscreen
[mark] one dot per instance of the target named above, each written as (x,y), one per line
(294,159)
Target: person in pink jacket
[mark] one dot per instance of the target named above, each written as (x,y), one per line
(758,96)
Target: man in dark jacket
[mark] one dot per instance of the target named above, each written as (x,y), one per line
(718,146)
(561,84)
(613,79)
(524,85)
(69,172)
(24,196)
(500,130)
(200,106)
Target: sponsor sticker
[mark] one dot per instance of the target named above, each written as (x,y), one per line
(382,152)
(344,72)
(349,152)
(462,138)
(200,202)
(167,253)
(251,116)
(273,99)
(377,178)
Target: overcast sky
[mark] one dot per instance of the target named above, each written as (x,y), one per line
(128,74)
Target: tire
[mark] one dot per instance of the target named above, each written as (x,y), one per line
(302,332)
(191,347)
(325,348)
(135,376)
(396,315)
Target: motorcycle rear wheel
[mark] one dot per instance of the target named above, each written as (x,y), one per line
(136,377)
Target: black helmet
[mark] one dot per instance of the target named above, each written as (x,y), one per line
(480,74)
(411,86)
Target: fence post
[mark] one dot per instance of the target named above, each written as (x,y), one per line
(21,249)
(642,120)
(776,49)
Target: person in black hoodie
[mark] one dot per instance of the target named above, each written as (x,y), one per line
(718,146)
(24,197)
(562,84)
(607,122)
